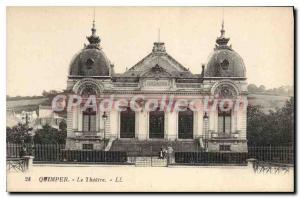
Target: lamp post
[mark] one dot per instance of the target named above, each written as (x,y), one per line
(27,151)
(205,119)
(104,117)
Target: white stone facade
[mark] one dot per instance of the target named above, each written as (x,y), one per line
(159,75)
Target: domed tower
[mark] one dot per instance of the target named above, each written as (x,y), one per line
(224,62)
(89,75)
(90,63)
(224,79)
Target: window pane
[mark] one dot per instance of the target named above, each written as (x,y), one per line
(93,123)
(87,146)
(227,124)
(85,126)
(220,124)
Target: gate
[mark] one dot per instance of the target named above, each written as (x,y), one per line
(149,157)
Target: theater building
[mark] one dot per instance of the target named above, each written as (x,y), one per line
(159,77)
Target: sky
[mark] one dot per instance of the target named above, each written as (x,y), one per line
(41,41)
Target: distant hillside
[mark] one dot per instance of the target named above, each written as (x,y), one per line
(278,91)
(21,104)
(267,101)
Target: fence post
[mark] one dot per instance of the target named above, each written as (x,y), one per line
(151,154)
(251,163)
(28,162)
(270,153)
(57,152)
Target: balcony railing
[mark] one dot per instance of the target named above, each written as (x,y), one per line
(222,135)
(89,134)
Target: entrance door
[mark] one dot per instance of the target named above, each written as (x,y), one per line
(185,124)
(156,124)
(127,129)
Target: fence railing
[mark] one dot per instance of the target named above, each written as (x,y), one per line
(277,154)
(56,153)
(210,158)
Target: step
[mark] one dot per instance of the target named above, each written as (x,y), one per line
(151,161)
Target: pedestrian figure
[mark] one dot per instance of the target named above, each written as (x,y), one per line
(161,153)
(165,152)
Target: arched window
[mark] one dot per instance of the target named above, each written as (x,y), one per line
(127,128)
(89,120)
(185,124)
(88,91)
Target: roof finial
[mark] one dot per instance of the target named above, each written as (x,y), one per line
(222,40)
(94,39)
(94,15)
(159,47)
(94,26)
(222,30)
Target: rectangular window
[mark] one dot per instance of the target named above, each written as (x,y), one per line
(224,148)
(87,146)
(85,123)
(89,120)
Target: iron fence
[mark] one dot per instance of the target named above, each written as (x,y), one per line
(207,158)
(124,152)
(275,154)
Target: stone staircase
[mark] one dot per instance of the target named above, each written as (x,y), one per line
(109,144)
(150,161)
(152,147)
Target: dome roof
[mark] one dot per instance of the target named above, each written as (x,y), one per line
(224,61)
(90,61)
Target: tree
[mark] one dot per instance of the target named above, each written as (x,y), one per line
(255,125)
(49,135)
(262,88)
(62,126)
(252,88)
(18,134)
(50,93)
(275,128)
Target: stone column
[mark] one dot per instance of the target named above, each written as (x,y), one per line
(198,124)
(212,121)
(171,125)
(242,121)
(79,120)
(114,114)
(143,120)
(70,123)
(75,119)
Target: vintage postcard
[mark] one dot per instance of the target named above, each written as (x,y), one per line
(150,99)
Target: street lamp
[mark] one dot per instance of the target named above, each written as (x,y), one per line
(104,117)
(205,118)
